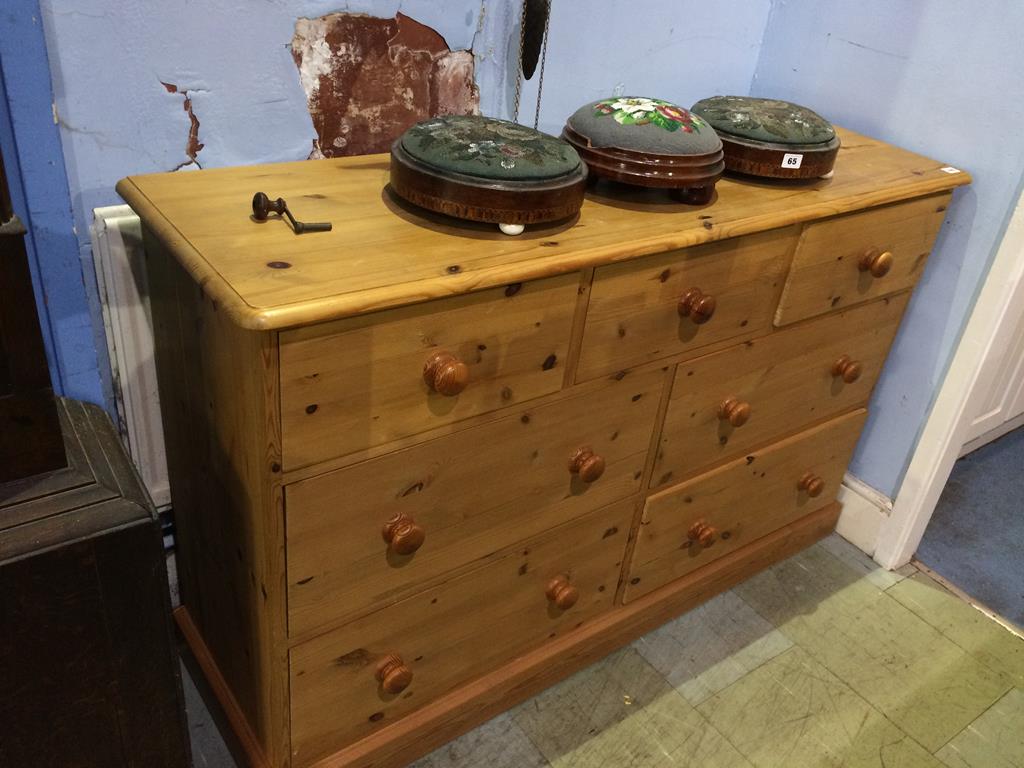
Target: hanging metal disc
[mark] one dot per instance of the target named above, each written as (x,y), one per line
(535,20)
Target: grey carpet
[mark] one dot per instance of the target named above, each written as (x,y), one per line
(975,537)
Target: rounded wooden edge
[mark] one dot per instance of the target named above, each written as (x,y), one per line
(580,142)
(698,306)
(476,199)
(403,534)
(846,368)
(446,374)
(665,172)
(734,410)
(278,317)
(562,593)
(812,484)
(765,159)
(876,261)
(233,712)
(587,464)
(393,674)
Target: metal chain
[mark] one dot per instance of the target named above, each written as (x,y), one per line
(543,60)
(519,64)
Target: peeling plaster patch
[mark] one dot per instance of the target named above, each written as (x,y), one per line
(192,145)
(367,79)
(453,85)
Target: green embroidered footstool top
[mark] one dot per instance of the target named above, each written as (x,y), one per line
(489,148)
(768,120)
(640,124)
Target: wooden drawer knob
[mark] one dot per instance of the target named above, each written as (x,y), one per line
(734,410)
(446,374)
(702,533)
(392,674)
(811,483)
(848,368)
(875,262)
(563,594)
(403,535)
(697,306)
(587,464)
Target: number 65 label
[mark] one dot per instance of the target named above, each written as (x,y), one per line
(792,160)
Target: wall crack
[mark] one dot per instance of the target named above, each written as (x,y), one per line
(192,144)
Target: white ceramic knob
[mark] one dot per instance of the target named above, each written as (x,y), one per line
(512,229)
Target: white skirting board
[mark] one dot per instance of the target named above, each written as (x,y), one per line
(864,510)
(121,276)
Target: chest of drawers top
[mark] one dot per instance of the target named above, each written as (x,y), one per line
(382,253)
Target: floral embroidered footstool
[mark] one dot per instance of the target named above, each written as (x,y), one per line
(770,137)
(485,169)
(650,143)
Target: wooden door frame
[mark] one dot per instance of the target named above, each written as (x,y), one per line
(967,381)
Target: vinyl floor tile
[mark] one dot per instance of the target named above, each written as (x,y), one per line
(712,646)
(621,713)
(883,671)
(498,743)
(791,711)
(850,555)
(918,678)
(994,740)
(986,640)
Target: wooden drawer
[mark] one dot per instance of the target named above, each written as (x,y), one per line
(463,497)
(738,503)
(634,312)
(360,382)
(837,260)
(454,632)
(728,402)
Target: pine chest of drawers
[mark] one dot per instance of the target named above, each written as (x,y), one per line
(422,470)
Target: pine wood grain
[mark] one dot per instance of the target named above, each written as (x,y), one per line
(236,718)
(218,386)
(786,378)
(633,316)
(473,493)
(382,253)
(740,501)
(825,274)
(398,744)
(452,633)
(355,383)
(333,372)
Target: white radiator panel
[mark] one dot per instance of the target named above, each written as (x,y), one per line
(121,276)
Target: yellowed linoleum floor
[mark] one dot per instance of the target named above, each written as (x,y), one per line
(824,660)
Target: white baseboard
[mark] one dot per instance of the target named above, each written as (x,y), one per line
(864,509)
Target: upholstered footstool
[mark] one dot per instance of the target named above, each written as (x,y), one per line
(771,138)
(484,169)
(648,143)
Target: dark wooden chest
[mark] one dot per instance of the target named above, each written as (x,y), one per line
(88,672)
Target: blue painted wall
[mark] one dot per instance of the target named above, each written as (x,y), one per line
(108,59)
(31,146)
(677,50)
(943,79)
(938,78)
